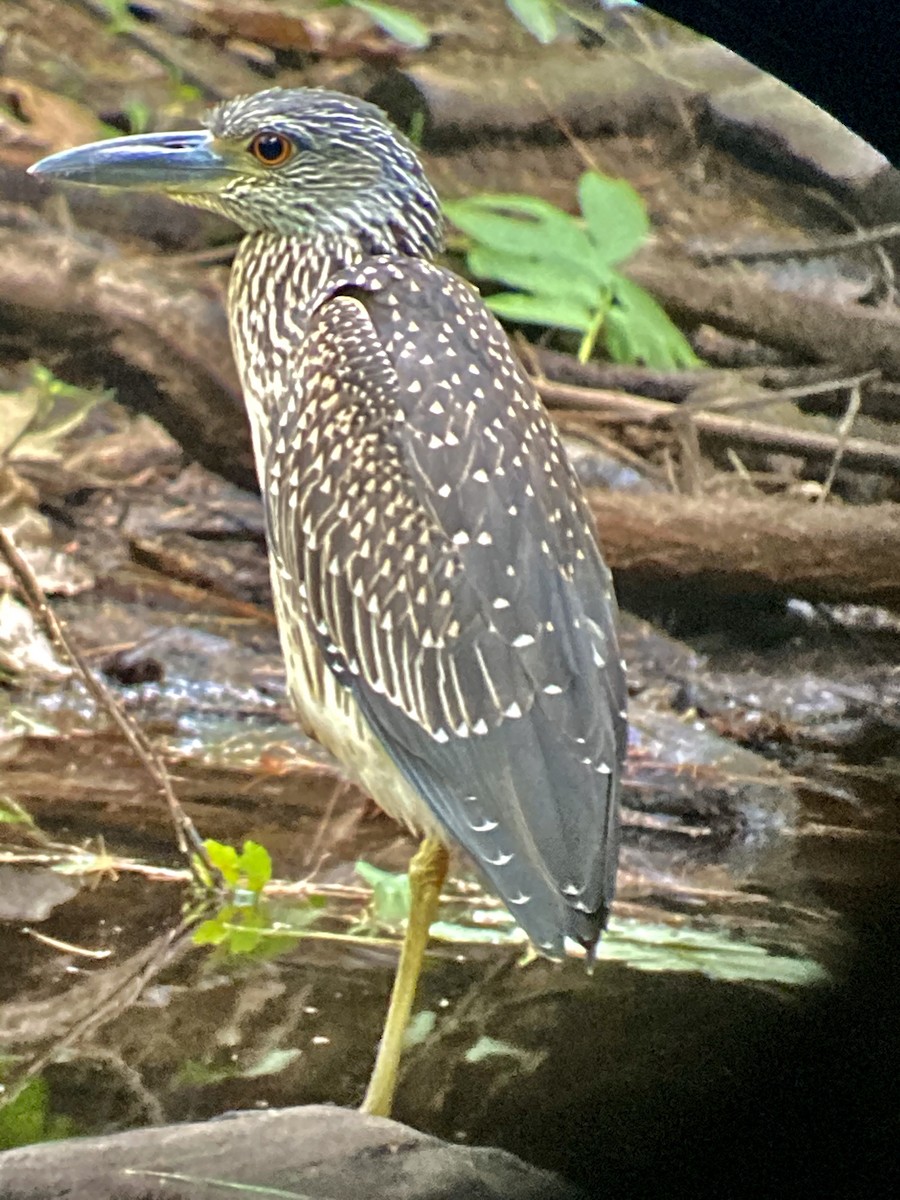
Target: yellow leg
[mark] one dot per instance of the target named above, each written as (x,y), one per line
(427,872)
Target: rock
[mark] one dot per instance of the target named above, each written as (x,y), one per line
(316,1152)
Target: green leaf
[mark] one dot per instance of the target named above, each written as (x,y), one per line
(563,269)
(390,893)
(615,214)
(541,310)
(718,954)
(255,864)
(225,859)
(493,935)
(272,1062)
(542,276)
(522,225)
(487,1047)
(121,19)
(403,27)
(12,813)
(638,331)
(214,931)
(538,17)
(244,938)
(139,116)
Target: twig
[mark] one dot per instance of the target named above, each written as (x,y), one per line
(574,427)
(580,148)
(65,947)
(681,386)
(207,256)
(834,245)
(186,835)
(625,409)
(760,397)
(846,424)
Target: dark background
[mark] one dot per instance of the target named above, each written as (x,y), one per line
(843,54)
(819,1112)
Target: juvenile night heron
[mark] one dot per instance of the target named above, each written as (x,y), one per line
(446,618)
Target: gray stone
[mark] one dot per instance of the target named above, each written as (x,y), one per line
(312,1153)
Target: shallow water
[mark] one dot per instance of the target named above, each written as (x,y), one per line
(745,894)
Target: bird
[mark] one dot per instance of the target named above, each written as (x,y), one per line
(447,621)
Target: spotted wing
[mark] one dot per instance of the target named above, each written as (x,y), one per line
(455,586)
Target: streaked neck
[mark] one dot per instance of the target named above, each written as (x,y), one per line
(276,283)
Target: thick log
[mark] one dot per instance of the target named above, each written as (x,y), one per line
(164,324)
(624,409)
(755,545)
(859,338)
(760,544)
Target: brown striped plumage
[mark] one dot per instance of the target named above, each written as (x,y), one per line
(446,618)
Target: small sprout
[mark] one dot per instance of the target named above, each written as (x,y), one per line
(250,870)
(121,18)
(139,116)
(36,418)
(242,923)
(12,813)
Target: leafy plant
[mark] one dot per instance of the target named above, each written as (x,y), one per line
(250,870)
(246,923)
(564,269)
(239,923)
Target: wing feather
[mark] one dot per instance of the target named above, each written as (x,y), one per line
(454,584)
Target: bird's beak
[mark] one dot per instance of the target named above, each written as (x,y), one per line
(183,163)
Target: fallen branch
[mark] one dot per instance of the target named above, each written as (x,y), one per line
(622,408)
(189,841)
(676,386)
(860,339)
(764,544)
(800,252)
(168,325)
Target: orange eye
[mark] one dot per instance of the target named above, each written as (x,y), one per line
(271,149)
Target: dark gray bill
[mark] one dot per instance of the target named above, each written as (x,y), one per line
(184,162)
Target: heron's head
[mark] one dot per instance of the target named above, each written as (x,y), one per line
(301,162)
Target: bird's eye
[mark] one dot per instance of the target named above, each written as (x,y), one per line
(271,149)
